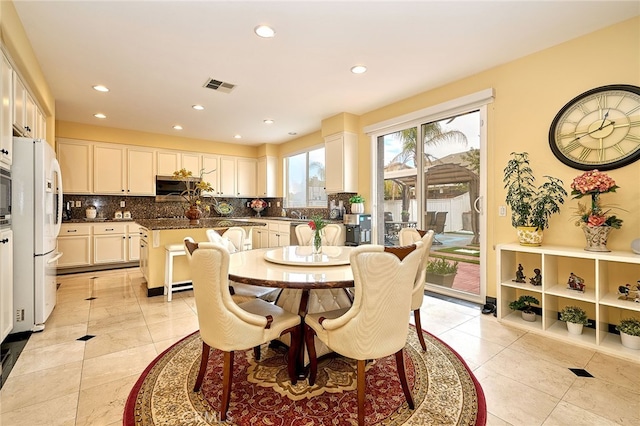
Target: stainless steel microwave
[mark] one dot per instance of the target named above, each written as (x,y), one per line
(169,189)
(5,197)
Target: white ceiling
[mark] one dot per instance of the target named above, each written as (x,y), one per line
(155,56)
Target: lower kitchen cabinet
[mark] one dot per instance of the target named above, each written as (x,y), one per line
(109,243)
(133,242)
(6,283)
(75,242)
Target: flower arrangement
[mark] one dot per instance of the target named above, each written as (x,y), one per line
(258,204)
(594,183)
(317,223)
(193,195)
(442,267)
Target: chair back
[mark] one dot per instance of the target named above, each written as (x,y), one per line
(214,237)
(236,236)
(409,236)
(330,234)
(438,225)
(223,324)
(377,323)
(304,234)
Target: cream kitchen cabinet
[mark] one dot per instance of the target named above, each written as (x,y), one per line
(211,168)
(144,252)
(76,164)
(6,114)
(266,176)
(75,242)
(24,108)
(6,282)
(260,237)
(133,242)
(170,161)
(109,243)
(279,233)
(227,176)
(237,176)
(341,162)
(123,170)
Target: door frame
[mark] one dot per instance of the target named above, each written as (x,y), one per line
(475,101)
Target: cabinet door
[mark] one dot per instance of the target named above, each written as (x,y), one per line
(246,170)
(6,283)
(144,258)
(133,242)
(211,167)
(41,125)
(109,248)
(19,99)
(168,162)
(6,115)
(341,163)
(227,176)
(108,170)
(140,171)
(76,251)
(191,162)
(266,177)
(76,166)
(30,116)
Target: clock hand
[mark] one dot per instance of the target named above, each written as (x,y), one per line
(611,123)
(604,119)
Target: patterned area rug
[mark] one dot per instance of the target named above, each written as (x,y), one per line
(445,392)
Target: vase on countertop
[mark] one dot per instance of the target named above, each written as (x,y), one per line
(193,213)
(597,237)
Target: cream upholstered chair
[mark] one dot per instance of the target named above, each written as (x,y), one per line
(377,324)
(409,236)
(227,326)
(330,235)
(233,240)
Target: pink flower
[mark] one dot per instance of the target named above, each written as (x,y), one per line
(596,220)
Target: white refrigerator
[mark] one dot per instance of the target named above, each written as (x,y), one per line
(36,216)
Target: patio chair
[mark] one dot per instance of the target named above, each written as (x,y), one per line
(438,226)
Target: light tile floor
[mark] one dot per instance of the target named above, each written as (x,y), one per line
(59,380)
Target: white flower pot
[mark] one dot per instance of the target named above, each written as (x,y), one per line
(574,328)
(357,208)
(629,341)
(529,316)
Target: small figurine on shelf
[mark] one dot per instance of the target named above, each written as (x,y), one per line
(537,278)
(575,283)
(623,291)
(520,278)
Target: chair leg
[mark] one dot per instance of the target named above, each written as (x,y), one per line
(311,350)
(203,366)
(361,391)
(403,377)
(416,317)
(256,353)
(227,377)
(292,355)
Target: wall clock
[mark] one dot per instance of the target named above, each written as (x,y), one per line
(598,129)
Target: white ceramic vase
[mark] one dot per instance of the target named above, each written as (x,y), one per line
(357,208)
(574,328)
(629,341)
(529,316)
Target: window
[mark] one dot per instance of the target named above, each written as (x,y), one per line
(305,179)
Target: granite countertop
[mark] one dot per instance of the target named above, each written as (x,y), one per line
(160,224)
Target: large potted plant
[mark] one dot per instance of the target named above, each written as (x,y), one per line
(629,329)
(531,205)
(523,303)
(441,272)
(575,317)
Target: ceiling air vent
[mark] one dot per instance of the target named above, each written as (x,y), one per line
(219,86)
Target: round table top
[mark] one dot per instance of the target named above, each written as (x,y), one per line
(251,267)
(303,256)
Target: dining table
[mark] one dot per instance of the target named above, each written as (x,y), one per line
(295,268)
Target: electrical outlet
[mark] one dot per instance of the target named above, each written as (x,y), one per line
(122,203)
(502,211)
(268,204)
(277,203)
(78,203)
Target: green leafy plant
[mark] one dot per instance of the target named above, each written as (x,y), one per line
(441,266)
(524,303)
(530,205)
(574,314)
(630,326)
(356,199)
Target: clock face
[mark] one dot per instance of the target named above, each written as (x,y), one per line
(599,129)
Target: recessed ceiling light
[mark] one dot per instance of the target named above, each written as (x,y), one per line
(197,107)
(264,31)
(358,69)
(238,137)
(268,121)
(99,115)
(101,88)
(177,127)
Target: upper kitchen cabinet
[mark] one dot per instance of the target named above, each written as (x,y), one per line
(6,114)
(341,162)
(237,177)
(76,164)
(266,181)
(171,161)
(24,109)
(211,172)
(122,170)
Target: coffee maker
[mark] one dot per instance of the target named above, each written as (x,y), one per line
(358,229)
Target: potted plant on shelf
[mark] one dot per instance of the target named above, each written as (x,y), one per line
(575,317)
(523,303)
(441,272)
(357,203)
(629,329)
(531,206)
(404,215)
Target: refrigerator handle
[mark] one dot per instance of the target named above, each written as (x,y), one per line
(59,194)
(55,258)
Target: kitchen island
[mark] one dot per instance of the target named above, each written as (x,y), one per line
(156,234)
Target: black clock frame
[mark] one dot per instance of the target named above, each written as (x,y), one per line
(603,167)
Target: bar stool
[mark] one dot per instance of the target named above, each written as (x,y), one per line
(171,251)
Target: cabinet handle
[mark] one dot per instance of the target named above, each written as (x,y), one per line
(72,230)
(108,229)
(4,151)
(123,190)
(4,241)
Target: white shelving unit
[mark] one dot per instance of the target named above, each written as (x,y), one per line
(603,274)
